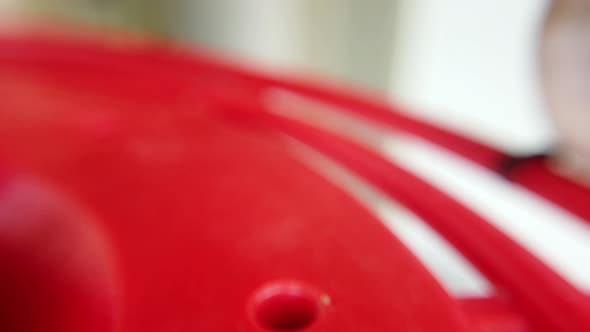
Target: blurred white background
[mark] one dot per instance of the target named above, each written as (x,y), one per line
(468,64)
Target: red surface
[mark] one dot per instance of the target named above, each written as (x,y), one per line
(547,300)
(493,314)
(147,60)
(202,219)
(198,214)
(55,270)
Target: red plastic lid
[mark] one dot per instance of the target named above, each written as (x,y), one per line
(208,225)
(192,212)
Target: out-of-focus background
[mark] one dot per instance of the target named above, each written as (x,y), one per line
(469,65)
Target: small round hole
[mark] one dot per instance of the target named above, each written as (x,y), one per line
(288,307)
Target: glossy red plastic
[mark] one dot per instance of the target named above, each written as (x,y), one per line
(154,192)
